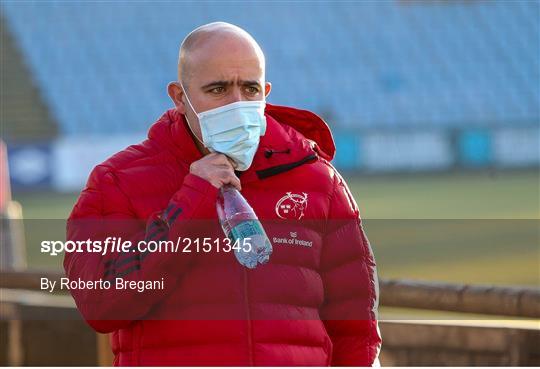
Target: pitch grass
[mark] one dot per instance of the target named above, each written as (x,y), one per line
(466,228)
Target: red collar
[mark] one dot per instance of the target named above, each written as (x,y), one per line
(292,136)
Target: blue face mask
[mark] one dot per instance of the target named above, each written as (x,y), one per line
(233,129)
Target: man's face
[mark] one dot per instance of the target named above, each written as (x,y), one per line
(220,72)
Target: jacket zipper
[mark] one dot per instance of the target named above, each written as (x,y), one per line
(265,173)
(248,318)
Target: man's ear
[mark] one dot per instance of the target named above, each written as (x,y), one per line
(175,93)
(267,88)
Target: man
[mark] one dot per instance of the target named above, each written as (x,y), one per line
(313,303)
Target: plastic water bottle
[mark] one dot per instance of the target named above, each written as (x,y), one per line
(244,230)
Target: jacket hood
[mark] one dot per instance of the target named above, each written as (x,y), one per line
(309,124)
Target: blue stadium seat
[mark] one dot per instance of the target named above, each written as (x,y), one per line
(103,67)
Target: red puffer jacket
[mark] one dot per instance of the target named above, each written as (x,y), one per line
(314,303)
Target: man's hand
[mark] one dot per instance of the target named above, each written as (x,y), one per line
(217,169)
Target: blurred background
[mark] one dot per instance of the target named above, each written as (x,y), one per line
(434,107)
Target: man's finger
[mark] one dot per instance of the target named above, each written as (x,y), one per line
(233,180)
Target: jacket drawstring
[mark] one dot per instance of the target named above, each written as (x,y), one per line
(269,152)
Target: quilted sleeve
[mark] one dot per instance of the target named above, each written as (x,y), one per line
(349,276)
(103,211)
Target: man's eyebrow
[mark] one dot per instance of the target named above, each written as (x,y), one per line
(215,84)
(250,83)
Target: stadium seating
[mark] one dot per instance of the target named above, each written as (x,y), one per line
(103,67)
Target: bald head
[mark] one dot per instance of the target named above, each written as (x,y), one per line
(212,40)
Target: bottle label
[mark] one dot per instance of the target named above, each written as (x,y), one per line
(259,248)
(245,230)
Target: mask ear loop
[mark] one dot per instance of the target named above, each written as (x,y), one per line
(185,115)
